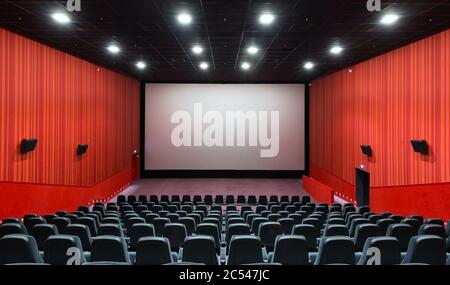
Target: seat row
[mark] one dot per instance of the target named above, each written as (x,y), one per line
(199,249)
(210,199)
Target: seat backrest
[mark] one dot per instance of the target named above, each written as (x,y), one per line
(208,199)
(290,250)
(189,223)
(82,232)
(138,231)
(111,220)
(310,232)
(164,198)
(306,199)
(364,231)
(109,248)
(229,199)
(389,249)
(19,248)
(11,221)
(313,221)
(30,222)
(200,249)
(236,229)
(56,250)
(61,223)
(414,223)
(435,221)
(12,228)
(262,200)
(153,251)
(173,217)
(210,230)
(268,233)
(218,199)
(384,224)
(295,199)
(110,230)
(336,221)
(336,250)
(150,217)
(41,232)
(256,222)
(397,218)
(402,232)
(176,233)
(245,249)
(286,224)
(159,223)
(273,198)
(428,249)
(90,222)
(296,217)
(354,224)
(274,217)
(336,230)
(432,229)
(252,200)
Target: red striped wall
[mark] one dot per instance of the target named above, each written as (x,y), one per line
(385,102)
(63,101)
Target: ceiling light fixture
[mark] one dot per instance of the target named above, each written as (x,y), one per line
(336,50)
(308,65)
(61,18)
(245,65)
(204,65)
(114,49)
(184,18)
(197,49)
(266,18)
(389,19)
(141,65)
(252,50)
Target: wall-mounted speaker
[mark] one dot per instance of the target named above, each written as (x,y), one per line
(420,146)
(81,149)
(27,145)
(367,150)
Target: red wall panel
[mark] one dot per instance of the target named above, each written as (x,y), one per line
(386,102)
(62,101)
(320,192)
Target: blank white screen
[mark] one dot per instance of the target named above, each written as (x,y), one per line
(163,100)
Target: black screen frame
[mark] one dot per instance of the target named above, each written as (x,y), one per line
(216,173)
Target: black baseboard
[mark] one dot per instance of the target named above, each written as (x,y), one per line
(281,174)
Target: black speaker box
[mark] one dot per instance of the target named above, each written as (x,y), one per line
(81,149)
(367,150)
(27,145)
(420,146)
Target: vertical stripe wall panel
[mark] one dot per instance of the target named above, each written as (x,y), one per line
(63,101)
(385,102)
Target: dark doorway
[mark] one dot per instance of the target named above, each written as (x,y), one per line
(362,187)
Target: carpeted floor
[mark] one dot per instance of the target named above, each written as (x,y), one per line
(172,186)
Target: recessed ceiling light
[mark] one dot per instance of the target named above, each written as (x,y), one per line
(245,65)
(252,50)
(184,18)
(389,19)
(113,49)
(204,65)
(197,49)
(336,50)
(61,18)
(141,65)
(308,65)
(266,18)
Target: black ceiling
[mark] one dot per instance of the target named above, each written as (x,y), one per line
(303,30)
